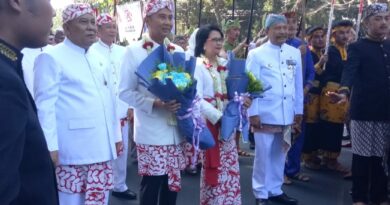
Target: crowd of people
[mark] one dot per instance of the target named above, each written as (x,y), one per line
(73,107)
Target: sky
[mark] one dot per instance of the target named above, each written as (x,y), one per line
(60,3)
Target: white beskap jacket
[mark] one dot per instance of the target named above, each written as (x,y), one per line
(114,55)
(75,102)
(151,126)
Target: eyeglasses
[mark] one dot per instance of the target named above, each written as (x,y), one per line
(216,40)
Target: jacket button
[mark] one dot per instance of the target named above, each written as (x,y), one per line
(284,97)
(285,86)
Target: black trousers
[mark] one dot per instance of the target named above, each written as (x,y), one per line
(312,138)
(369,181)
(331,136)
(154,191)
(251,137)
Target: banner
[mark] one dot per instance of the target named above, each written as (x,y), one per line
(129,21)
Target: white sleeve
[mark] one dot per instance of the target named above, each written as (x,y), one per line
(46,88)
(253,66)
(128,86)
(298,107)
(207,109)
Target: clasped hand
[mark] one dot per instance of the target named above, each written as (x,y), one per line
(171,106)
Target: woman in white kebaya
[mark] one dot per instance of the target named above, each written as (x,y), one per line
(220,180)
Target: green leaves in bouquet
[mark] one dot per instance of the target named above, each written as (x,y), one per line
(255,85)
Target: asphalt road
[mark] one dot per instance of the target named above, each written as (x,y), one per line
(324,188)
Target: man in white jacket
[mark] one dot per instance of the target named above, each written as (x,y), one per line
(277,64)
(107,33)
(159,146)
(76,109)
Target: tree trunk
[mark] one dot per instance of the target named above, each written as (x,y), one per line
(217,5)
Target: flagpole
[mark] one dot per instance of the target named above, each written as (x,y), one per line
(200,12)
(303,33)
(143,20)
(233,8)
(302,22)
(115,3)
(359,19)
(248,36)
(175,2)
(328,33)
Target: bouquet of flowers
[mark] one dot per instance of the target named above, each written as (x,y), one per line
(172,79)
(240,84)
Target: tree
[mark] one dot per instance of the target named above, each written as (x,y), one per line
(214,11)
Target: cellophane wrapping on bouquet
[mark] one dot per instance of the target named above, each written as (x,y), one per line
(170,77)
(240,85)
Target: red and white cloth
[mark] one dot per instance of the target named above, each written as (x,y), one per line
(104,18)
(227,191)
(153,6)
(193,158)
(93,180)
(74,11)
(158,160)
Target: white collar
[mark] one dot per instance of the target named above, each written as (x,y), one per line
(146,38)
(75,47)
(104,44)
(273,46)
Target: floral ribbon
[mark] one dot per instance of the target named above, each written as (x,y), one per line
(240,99)
(199,125)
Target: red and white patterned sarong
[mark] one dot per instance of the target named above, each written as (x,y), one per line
(92,179)
(159,160)
(193,157)
(228,189)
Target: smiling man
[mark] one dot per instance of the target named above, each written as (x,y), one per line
(107,33)
(279,65)
(157,137)
(76,109)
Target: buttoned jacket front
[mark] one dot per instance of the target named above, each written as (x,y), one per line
(151,126)
(114,55)
(75,104)
(281,68)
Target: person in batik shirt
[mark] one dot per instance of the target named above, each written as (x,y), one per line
(365,80)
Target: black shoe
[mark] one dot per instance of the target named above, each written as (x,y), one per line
(347,137)
(284,199)
(192,171)
(261,201)
(128,194)
(252,146)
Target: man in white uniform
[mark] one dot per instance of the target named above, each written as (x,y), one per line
(76,109)
(159,146)
(107,33)
(277,64)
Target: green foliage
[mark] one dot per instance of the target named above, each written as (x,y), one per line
(254,85)
(214,11)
